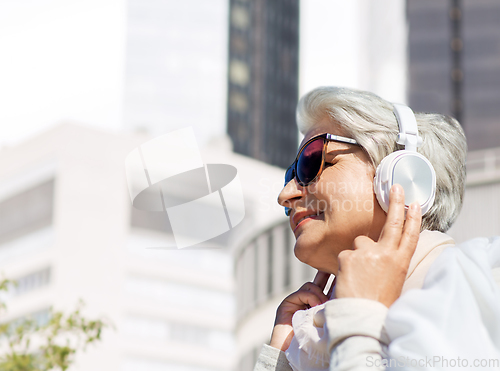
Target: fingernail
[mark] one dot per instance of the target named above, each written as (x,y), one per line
(415,206)
(396,188)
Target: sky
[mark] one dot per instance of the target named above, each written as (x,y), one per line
(65,60)
(62,60)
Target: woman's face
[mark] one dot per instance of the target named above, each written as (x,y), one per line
(341,202)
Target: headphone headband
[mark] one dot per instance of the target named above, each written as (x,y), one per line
(408,132)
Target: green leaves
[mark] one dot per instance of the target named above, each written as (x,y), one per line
(27,345)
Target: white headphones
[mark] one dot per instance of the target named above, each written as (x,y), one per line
(406,167)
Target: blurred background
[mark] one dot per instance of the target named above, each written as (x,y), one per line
(83,83)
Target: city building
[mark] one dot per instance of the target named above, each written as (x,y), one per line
(263,75)
(69,232)
(175,67)
(453,64)
(480,215)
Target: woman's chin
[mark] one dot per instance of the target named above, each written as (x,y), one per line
(315,251)
(307,246)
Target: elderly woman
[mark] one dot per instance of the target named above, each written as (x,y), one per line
(341,229)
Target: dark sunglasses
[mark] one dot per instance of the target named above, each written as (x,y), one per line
(310,160)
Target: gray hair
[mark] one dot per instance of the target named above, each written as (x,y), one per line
(370,120)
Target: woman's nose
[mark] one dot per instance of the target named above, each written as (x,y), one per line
(291,192)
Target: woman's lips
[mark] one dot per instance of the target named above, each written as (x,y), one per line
(303,221)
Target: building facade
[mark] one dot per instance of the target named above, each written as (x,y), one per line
(454,68)
(69,231)
(263,79)
(175,67)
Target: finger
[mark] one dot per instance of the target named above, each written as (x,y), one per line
(411,231)
(309,286)
(305,298)
(321,279)
(393,227)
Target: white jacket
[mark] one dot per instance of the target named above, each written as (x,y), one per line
(454,313)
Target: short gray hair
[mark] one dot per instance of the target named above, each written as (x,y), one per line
(370,120)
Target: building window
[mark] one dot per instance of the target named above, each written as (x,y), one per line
(238,102)
(31,282)
(239,44)
(240,18)
(40,318)
(26,212)
(239,72)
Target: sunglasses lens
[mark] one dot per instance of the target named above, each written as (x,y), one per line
(309,162)
(290,174)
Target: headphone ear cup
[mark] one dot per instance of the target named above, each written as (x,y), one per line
(413,172)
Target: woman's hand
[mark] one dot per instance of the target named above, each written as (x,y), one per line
(309,295)
(377,270)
